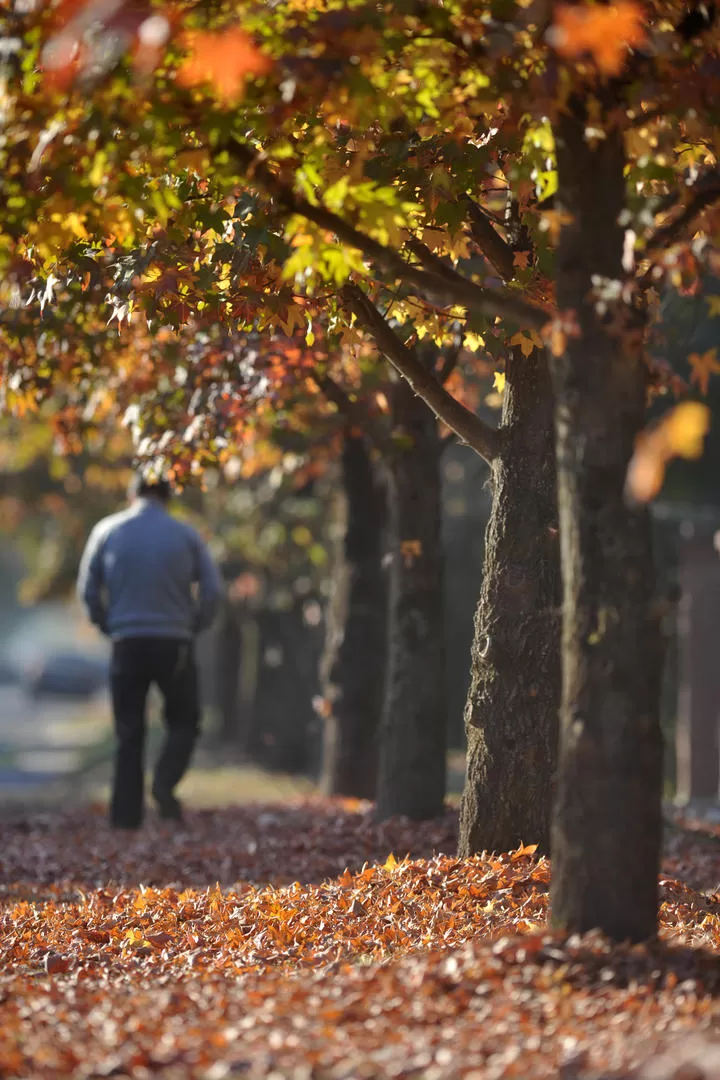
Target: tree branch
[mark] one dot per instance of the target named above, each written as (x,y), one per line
(340,399)
(430,260)
(704,194)
(493,246)
(445,289)
(484,440)
(354,413)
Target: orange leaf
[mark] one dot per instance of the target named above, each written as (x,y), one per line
(410,550)
(679,433)
(224,60)
(524,849)
(603,31)
(703,366)
(55,964)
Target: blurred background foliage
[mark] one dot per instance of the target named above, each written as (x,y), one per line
(274,516)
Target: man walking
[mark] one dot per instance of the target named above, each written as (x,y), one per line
(148,582)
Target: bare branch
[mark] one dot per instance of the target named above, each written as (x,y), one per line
(445,289)
(484,440)
(493,246)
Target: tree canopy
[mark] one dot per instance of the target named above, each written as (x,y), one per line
(209,166)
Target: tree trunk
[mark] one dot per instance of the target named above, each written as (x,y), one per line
(513,702)
(354,663)
(287,684)
(411,780)
(607,824)
(228,662)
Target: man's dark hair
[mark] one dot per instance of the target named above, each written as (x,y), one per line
(147,486)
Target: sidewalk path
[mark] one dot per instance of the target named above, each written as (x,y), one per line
(42,741)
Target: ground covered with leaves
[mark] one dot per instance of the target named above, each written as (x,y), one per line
(304,941)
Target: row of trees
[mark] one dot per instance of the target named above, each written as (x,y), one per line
(420,183)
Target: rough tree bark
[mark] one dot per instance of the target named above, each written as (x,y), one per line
(607,824)
(514,696)
(512,708)
(354,663)
(411,778)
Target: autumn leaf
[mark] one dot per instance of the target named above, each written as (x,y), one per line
(603,31)
(225,60)
(56,964)
(527,342)
(703,365)
(680,433)
(410,550)
(523,850)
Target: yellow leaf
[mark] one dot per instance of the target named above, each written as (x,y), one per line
(703,366)
(680,433)
(390,863)
(525,342)
(686,427)
(713,303)
(293,319)
(474,342)
(499,381)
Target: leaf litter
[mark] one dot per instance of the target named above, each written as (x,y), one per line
(305,941)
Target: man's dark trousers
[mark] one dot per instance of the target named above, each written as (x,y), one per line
(137,663)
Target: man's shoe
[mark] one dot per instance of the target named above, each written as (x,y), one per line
(168,806)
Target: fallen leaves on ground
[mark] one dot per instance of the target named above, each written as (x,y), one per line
(306,840)
(297,941)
